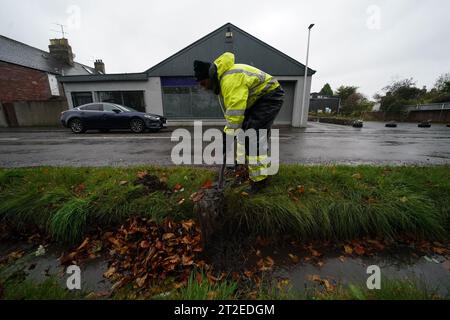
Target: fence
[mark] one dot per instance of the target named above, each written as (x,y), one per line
(429,107)
(31,113)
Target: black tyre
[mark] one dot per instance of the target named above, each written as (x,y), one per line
(76,125)
(137,125)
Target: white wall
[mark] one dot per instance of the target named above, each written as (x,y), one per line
(299,112)
(154,96)
(151,88)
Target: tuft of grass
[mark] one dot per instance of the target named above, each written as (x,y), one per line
(391,289)
(68,202)
(407,289)
(69,222)
(50,289)
(203,290)
(342,202)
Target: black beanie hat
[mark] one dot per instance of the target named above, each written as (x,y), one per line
(201,70)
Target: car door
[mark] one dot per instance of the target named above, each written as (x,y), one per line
(91,115)
(115,120)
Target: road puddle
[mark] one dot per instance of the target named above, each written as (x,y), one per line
(398,264)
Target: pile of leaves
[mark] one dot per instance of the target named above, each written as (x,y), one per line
(145,253)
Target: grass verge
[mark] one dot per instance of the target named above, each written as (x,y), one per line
(391,289)
(310,202)
(49,289)
(405,289)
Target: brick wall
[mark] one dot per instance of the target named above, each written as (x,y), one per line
(19,83)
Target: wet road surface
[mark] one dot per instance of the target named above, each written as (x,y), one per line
(319,143)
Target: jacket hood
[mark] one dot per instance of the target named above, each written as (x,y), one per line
(224,63)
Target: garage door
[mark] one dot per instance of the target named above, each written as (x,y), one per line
(285,115)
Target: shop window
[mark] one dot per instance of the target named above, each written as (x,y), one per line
(132,99)
(183,98)
(80,98)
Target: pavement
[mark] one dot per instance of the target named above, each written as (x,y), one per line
(317,144)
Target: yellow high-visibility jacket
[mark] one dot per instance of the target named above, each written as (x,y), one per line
(240,86)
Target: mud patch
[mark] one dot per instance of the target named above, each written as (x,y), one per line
(151,183)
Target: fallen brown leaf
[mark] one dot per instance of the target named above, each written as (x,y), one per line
(359,250)
(207,184)
(144,244)
(110,272)
(168,236)
(439,250)
(79,188)
(348,249)
(141,174)
(315,253)
(141,281)
(314,277)
(212,295)
(294,258)
(357,176)
(187,224)
(197,196)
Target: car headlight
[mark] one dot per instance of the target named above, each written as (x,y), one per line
(151,117)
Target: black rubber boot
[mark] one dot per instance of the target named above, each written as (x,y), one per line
(256,187)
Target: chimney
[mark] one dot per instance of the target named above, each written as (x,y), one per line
(99,66)
(61,50)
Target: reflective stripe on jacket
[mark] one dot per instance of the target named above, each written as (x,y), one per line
(240,86)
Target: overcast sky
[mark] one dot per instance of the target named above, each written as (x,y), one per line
(361,43)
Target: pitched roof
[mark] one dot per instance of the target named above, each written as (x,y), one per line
(19,53)
(247,48)
(105,77)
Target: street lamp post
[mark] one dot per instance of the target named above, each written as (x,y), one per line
(305,80)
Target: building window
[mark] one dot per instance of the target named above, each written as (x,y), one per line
(80,98)
(132,99)
(183,98)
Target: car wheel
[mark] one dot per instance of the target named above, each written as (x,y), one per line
(137,125)
(76,125)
